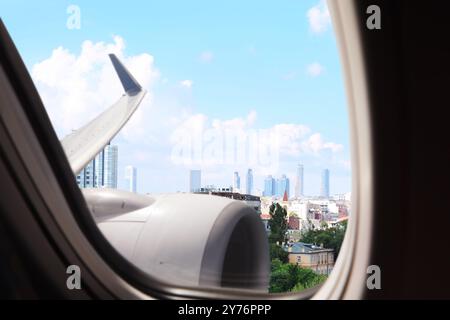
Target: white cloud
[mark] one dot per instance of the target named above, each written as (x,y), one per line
(186,83)
(198,140)
(206,56)
(319,18)
(251,117)
(76,88)
(315,144)
(315,69)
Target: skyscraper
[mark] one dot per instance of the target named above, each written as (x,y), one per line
(249,186)
(269,186)
(99,165)
(86,177)
(325,185)
(236,182)
(195,180)
(111,154)
(130,176)
(100,171)
(299,182)
(283,186)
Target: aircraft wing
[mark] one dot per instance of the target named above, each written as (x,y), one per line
(82,145)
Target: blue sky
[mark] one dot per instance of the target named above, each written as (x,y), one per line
(276,60)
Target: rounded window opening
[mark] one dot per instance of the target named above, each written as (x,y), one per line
(230,166)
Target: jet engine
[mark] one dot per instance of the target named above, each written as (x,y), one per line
(186,239)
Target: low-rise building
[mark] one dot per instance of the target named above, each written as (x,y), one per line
(316,258)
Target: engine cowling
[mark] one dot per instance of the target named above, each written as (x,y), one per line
(186,239)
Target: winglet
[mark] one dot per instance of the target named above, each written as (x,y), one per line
(130,85)
(82,145)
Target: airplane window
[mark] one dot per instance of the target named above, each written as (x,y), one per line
(210,140)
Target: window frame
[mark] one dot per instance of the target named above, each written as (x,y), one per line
(67,218)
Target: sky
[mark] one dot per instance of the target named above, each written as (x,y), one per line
(231,85)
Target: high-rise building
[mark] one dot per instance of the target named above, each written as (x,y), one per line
(100,171)
(283,186)
(249,186)
(269,186)
(299,182)
(130,176)
(195,180)
(86,177)
(236,182)
(111,154)
(99,165)
(325,184)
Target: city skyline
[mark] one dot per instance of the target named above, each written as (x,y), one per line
(276,84)
(271,186)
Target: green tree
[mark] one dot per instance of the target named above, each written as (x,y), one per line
(279,277)
(277,223)
(278,228)
(330,238)
(287,277)
(297,288)
(309,279)
(277,252)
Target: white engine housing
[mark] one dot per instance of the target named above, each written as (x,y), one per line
(186,239)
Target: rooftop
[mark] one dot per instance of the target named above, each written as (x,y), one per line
(232,195)
(301,247)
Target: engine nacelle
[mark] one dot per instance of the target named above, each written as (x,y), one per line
(186,239)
